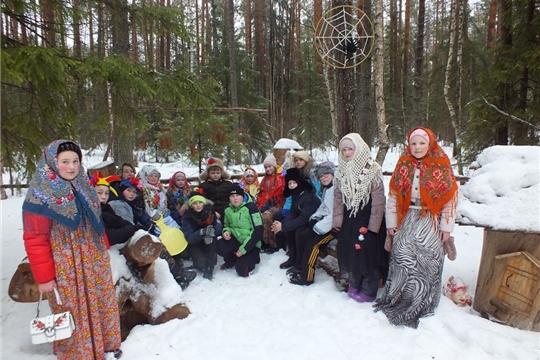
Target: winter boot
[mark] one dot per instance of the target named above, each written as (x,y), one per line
(292,259)
(208,272)
(227,265)
(185,275)
(294,270)
(296,279)
(361,297)
(352,291)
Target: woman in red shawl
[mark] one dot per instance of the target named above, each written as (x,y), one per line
(420,216)
(270,200)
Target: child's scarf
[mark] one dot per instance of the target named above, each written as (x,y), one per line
(180,194)
(437,181)
(271,188)
(61,200)
(252,189)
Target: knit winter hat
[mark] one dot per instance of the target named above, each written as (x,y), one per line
(236,189)
(302,154)
(326,167)
(70,146)
(214,162)
(297,176)
(419,132)
(249,172)
(270,160)
(195,198)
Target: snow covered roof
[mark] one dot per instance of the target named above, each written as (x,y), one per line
(101,164)
(285,143)
(503,193)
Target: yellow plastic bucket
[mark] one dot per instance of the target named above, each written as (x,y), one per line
(173,239)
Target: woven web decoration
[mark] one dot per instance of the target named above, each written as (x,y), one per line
(344,37)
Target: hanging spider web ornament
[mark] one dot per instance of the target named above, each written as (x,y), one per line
(344,37)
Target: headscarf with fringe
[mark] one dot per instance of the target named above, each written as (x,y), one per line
(355,175)
(58,199)
(438,184)
(144,172)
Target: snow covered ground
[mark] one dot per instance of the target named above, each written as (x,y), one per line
(265,317)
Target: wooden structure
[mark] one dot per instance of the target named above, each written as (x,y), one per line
(107,168)
(508,285)
(282,146)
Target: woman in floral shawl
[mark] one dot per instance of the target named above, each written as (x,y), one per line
(420,217)
(177,194)
(64,239)
(155,198)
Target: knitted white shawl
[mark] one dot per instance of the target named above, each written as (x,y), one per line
(355,175)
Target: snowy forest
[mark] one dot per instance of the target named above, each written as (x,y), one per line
(228,78)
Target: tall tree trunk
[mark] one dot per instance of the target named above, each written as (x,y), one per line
(49,28)
(504,88)
(259,44)
(406,50)
(317,15)
(365,96)
(461,4)
(394,54)
(232,54)
(378,80)
(346,103)
(448,71)
(492,24)
(247,5)
(121,119)
(418,64)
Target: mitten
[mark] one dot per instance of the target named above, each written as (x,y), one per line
(208,239)
(209,230)
(153,229)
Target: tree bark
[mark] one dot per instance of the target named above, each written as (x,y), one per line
(378,79)
(406,49)
(418,64)
(232,54)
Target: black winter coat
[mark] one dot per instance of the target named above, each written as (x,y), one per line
(218,192)
(303,206)
(118,230)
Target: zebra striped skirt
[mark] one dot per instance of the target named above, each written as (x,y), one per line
(413,288)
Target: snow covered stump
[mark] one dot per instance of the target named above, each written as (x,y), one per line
(146,291)
(502,196)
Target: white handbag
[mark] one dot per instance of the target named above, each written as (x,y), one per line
(51,327)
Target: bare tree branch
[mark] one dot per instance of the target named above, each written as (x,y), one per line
(513,117)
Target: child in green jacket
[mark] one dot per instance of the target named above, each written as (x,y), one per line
(242,233)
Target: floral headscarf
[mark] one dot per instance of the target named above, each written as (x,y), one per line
(173,189)
(437,181)
(144,172)
(51,196)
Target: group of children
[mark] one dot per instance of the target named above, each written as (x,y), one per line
(299,209)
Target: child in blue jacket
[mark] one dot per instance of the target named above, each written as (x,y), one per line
(201,228)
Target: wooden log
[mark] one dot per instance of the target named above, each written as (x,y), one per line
(142,251)
(178,311)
